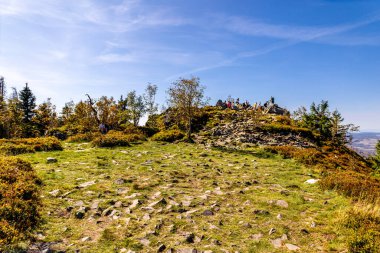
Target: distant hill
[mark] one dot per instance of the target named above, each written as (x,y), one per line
(365,142)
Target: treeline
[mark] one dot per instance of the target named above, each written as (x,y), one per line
(21,117)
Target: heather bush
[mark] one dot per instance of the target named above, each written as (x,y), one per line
(168,136)
(15,149)
(353,184)
(84,137)
(287,129)
(19,201)
(363,223)
(115,138)
(28,145)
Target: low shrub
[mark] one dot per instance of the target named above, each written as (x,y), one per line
(149,131)
(286,129)
(327,158)
(343,170)
(353,184)
(15,149)
(168,136)
(283,120)
(363,223)
(19,201)
(115,139)
(61,133)
(27,145)
(308,156)
(84,137)
(130,129)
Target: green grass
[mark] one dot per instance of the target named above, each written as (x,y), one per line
(182,172)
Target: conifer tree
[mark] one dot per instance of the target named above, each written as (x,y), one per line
(27,104)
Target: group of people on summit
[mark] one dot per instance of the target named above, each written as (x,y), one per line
(233,104)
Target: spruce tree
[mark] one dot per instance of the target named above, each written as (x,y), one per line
(27,105)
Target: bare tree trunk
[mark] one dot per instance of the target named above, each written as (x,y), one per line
(91,102)
(189,129)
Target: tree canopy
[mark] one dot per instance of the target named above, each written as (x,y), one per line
(186,95)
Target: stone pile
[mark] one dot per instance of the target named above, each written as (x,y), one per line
(239,132)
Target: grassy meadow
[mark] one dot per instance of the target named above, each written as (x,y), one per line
(153,197)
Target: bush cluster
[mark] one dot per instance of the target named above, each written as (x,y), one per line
(287,129)
(19,200)
(29,145)
(168,136)
(84,137)
(353,184)
(117,139)
(363,223)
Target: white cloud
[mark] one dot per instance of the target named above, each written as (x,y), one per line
(298,33)
(116,58)
(289,35)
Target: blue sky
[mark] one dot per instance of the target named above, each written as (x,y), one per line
(296,51)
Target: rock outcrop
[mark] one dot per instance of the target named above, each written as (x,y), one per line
(245,131)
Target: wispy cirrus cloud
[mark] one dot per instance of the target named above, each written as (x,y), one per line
(123,17)
(287,35)
(249,27)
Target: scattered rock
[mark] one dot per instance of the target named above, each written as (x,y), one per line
(257,237)
(55,193)
(118,204)
(282,203)
(144,241)
(279,216)
(86,184)
(313,224)
(311,181)
(156,195)
(261,212)
(247,225)
(217,191)
(51,160)
(135,203)
(208,213)
(190,238)
(119,181)
(188,250)
(160,202)
(216,242)
(161,248)
(186,203)
(146,217)
(213,227)
(86,239)
(122,191)
(277,243)
(80,214)
(107,211)
(292,247)
(79,203)
(134,195)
